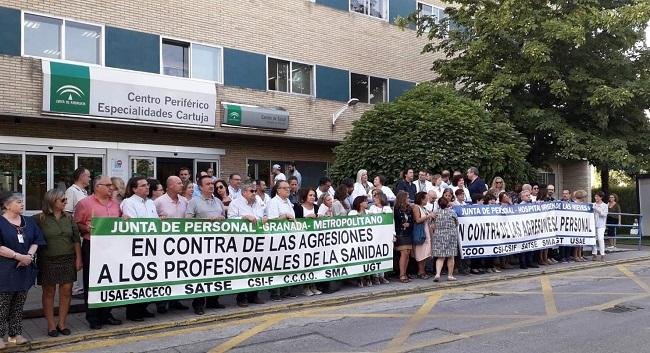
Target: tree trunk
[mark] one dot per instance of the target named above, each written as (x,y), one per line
(604,177)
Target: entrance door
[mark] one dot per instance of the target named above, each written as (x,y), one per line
(143,166)
(166,167)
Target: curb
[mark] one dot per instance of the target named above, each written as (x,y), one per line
(248,313)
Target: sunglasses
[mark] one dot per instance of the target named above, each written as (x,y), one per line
(64,200)
(220,187)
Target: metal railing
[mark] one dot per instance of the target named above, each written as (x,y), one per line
(614,227)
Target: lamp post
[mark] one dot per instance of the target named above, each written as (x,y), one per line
(338,113)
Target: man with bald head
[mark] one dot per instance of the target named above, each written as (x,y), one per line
(171,205)
(99,204)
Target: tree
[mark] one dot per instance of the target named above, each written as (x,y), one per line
(573,76)
(431,127)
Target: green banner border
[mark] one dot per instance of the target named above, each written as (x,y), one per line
(234,291)
(220,279)
(103,226)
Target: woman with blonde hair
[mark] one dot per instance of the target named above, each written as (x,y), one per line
(59,261)
(119,189)
(498,186)
(362,187)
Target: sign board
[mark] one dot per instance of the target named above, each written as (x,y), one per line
(264,118)
(121,95)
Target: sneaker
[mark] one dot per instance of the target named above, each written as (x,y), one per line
(17,340)
(315,290)
(307,292)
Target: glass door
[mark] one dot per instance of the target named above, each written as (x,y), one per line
(204,166)
(63,167)
(143,166)
(95,164)
(36,182)
(11,173)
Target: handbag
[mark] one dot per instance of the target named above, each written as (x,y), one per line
(419,235)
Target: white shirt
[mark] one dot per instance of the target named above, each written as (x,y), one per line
(240,207)
(427,186)
(390,195)
(278,207)
(375,209)
(456,203)
(323,210)
(263,202)
(359,190)
(74,194)
(279,177)
(329,191)
(234,194)
(465,190)
(137,207)
(353,213)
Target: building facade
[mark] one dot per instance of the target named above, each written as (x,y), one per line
(144,88)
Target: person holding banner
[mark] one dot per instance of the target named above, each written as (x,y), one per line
(171,205)
(206,206)
(247,207)
(445,239)
(339,205)
(526,257)
(100,204)
(579,196)
(281,208)
(403,217)
(59,261)
(20,238)
(306,208)
(138,205)
(422,222)
(600,212)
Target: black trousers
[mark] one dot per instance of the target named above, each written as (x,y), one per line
(93,316)
(246,297)
(526,258)
(202,302)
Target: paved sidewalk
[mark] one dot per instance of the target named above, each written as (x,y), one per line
(35,328)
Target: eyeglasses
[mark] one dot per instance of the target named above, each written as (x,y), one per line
(220,187)
(64,200)
(551,190)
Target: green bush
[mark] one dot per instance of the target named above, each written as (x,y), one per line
(432,127)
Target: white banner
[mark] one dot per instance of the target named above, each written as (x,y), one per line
(147,260)
(496,230)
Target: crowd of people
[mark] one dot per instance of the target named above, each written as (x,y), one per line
(52,246)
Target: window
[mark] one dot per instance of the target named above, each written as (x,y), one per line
(289,76)
(437,13)
(368,89)
(176,58)
(374,8)
(545,178)
(184,59)
(54,38)
(206,62)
